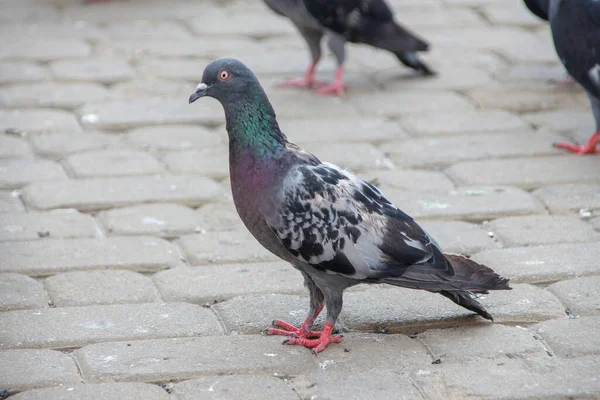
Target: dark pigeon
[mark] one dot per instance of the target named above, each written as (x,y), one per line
(575,26)
(359,21)
(336,229)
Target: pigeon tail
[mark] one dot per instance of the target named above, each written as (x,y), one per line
(411,60)
(474,277)
(467,300)
(390,36)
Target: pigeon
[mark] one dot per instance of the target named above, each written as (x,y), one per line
(336,229)
(540,9)
(358,21)
(575,26)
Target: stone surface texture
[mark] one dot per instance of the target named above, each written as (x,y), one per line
(126,273)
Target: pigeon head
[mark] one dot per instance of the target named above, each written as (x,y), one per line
(226,80)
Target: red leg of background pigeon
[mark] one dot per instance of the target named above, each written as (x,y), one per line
(337,86)
(590,147)
(307,81)
(567,80)
(318,345)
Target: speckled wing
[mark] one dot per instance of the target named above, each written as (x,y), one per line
(337,223)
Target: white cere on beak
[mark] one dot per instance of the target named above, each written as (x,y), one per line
(201,86)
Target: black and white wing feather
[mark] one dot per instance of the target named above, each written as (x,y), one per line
(337,223)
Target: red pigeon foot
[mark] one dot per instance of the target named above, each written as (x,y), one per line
(590,147)
(291,330)
(336,87)
(317,345)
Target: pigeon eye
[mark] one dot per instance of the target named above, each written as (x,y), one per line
(223,75)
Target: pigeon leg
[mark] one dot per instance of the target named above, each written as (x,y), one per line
(567,80)
(590,147)
(307,81)
(336,87)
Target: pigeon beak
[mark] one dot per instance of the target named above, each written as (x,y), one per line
(200,92)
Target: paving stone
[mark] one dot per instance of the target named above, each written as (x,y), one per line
(97,391)
(595,222)
(471,343)
(174,137)
(527,172)
(53,29)
(464,122)
(17,173)
(103,71)
(220,217)
(77,326)
(519,99)
(447,150)
(164,220)
(338,130)
(36,368)
(459,236)
(133,12)
(15,72)
(99,194)
(255,25)
(580,296)
(250,387)
(213,163)
(221,282)
(145,29)
(148,89)
(398,310)
(59,145)
(352,156)
(571,337)
(476,203)
(116,115)
(404,103)
(20,292)
(407,179)
(384,385)
(548,263)
(10,202)
(174,69)
(56,224)
(82,288)
(43,50)
(570,198)
(50,94)
(14,147)
(455,77)
(542,229)
(531,73)
(38,121)
(537,378)
(294,104)
(563,120)
(110,163)
(27,12)
(48,257)
(185,358)
(225,247)
(512,13)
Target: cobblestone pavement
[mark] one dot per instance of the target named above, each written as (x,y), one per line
(124,266)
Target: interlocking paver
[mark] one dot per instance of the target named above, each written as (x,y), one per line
(38,121)
(459,236)
(22,11)
(174,137)
(580,296)
(58,145)
(570,198)
(407,179)
(547,263)
(17,173)
(148,88)
(15,72)
(213,162)
(57,95)
(352,156)
(82,288)
(511,14)
(595,222)
(542,229)
(466,122)
(220,217)
(250,387)
(221,282)
(103,71)
(57,224)
(10,202)
(96,391)
(470,343)
(108,163)
(146,29)
(519,99)
(470,203)
(184,358)
(563,119)
(258,25)
(77,326)
(528,73)
(14,147)
(226,247)
(31,49)
(19,292)
(512,379)
(571,337)
(48,257)
(52,29)
(99,194)
(527,172)
(338,130)
(164,220)
(36,368)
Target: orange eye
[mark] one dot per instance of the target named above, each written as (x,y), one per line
(223,75)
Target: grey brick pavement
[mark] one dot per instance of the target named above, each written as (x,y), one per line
(124,269)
